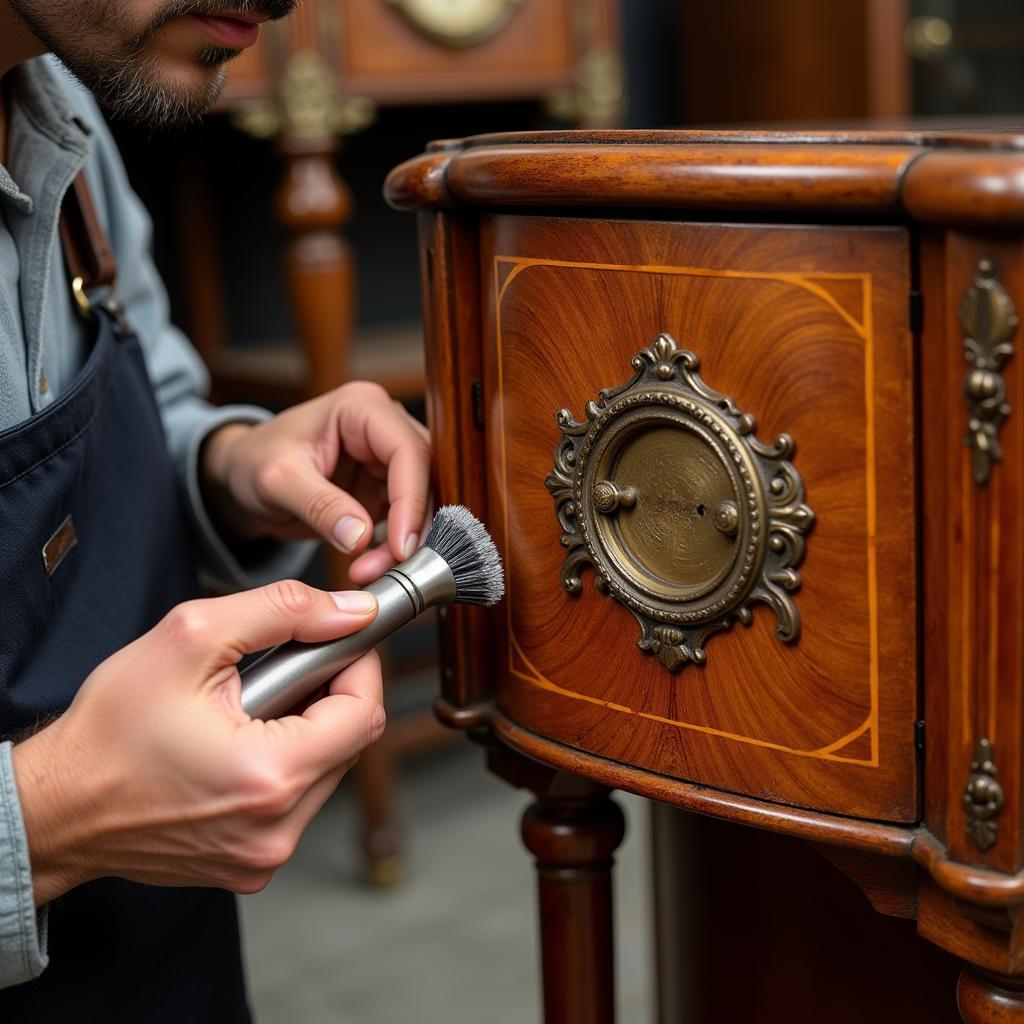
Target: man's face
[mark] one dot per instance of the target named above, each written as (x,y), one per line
(156,62)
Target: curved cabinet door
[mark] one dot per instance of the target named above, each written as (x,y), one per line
(713,651)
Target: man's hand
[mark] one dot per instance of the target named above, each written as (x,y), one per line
(329,468)
(156,774)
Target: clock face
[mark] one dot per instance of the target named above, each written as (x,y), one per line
(457,22)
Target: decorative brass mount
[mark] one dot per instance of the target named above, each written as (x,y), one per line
(308,105)
(983,797)
(686,517)
(988,320)
(460,24)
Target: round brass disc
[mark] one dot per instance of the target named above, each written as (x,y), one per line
(684,545)
(670,532)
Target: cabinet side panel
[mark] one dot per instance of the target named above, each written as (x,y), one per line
(451,306)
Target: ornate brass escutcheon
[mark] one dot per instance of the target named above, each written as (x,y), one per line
(983,797)
(988,320)
(686,517)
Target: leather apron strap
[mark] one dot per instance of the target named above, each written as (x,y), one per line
(87,250)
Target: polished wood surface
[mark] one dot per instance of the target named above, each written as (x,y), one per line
(942,177)
(809,946)
(821,278)
(573,840)
(801,60)
(815,320)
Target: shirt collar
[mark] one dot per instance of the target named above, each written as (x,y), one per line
(39,107)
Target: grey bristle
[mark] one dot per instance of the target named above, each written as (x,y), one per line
(464,543)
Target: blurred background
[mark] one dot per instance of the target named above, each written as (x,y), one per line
(407,899)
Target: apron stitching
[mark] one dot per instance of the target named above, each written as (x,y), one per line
(74,437)
(60,406)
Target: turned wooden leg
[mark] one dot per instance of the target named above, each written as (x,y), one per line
(985,997)
(381,838)
(573,840)
(313,205)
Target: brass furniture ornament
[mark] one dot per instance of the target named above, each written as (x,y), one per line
(686,517)
(983,797)
(457,23)
(988,320)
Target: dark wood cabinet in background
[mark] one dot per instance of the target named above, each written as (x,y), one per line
(761,389)
(849,60)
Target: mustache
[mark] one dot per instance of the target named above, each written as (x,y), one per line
(273,10)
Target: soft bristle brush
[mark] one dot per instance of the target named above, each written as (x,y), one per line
(458,562)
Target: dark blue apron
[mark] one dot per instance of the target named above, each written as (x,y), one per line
(94,550)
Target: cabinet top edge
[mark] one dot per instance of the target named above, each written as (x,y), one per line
(968,178)
(1008,136)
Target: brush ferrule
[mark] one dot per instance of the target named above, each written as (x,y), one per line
(426,578)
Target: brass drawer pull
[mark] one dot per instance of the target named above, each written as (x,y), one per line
(686,517)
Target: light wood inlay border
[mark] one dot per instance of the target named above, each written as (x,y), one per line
(864,329)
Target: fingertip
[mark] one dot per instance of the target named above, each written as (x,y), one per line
(348,532)
(371,565)
(363,677)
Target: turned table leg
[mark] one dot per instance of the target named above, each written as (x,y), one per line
(313,205)
(985,997)
(573,840)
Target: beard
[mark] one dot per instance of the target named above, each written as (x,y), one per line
(112,55)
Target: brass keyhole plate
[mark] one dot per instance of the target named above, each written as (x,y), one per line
(687,518)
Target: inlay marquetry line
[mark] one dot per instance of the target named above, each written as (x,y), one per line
(864,330)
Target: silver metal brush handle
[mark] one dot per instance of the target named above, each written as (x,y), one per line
(288,674)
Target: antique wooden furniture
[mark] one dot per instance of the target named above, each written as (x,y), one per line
(761,390)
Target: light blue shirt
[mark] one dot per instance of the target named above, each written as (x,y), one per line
(55,130)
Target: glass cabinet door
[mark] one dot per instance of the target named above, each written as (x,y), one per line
(967,56)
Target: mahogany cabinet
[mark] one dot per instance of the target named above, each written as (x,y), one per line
(743,415)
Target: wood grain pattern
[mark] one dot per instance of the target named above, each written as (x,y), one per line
(828,722)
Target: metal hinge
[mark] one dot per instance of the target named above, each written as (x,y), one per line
(919,736)
(916,311)
(478,402)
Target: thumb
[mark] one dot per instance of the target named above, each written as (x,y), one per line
(303,491)
(339,726)
(218,631)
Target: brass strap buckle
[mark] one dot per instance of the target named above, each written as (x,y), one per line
(83,304)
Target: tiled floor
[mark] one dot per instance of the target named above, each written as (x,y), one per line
(456,942)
